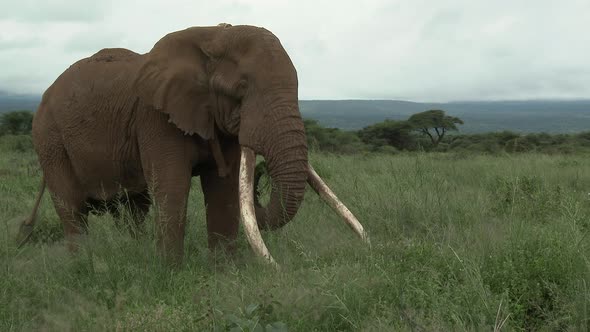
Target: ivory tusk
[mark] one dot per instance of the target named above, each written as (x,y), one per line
(247,212)
(322,189)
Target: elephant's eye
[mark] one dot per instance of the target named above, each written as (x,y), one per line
(241,88)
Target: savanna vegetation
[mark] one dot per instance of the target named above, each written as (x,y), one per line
(460,240)
(434,131)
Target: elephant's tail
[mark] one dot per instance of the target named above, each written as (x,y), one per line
(26,227)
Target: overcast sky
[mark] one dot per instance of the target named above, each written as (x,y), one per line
(435,50)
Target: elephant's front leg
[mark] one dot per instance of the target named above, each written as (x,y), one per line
(169,180)
(221,201)
(171,189)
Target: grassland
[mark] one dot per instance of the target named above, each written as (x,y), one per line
(459,242)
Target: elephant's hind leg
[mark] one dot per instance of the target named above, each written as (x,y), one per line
(74,219)
(68,198)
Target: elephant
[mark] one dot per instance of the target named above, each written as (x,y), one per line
(203,102)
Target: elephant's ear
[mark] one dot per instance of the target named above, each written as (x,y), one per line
(178,86)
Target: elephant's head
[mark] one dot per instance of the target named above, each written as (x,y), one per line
(240,80)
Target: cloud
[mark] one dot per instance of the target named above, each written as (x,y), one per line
(35,11)
(419,50)
(89,40)
(19,43)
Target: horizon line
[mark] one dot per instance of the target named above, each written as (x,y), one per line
(5,93)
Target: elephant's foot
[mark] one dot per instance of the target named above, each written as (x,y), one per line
(171,254)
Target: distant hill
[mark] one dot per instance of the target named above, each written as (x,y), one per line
(522,116)
(13,102)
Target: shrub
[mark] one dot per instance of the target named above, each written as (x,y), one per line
(332,139)
(17,143)
(389,132)
(16,123)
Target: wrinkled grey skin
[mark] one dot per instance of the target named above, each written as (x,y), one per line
(120,121)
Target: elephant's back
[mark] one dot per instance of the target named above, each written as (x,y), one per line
(94,85)
(88,112)
(91,103)
(99,72)
(113,55)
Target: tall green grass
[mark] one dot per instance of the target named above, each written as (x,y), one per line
(459,242)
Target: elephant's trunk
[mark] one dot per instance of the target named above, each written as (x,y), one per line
(285,152)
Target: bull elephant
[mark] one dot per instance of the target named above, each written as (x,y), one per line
(203,102)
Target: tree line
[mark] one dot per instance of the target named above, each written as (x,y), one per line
(431,130)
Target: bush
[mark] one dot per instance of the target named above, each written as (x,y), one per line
(17,143)
(16,123)
(332,139)
(511,142)
(389,132)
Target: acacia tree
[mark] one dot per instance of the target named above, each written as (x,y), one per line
(435,120)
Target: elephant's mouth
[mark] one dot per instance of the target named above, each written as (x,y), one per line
(248,214)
